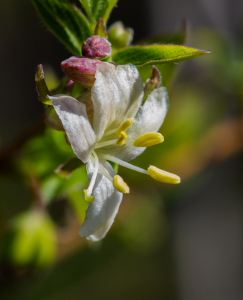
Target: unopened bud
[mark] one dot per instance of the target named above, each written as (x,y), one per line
(96,47)
(152,83)
(81,70)
(119,36)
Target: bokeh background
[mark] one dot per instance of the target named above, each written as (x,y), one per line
(180,242)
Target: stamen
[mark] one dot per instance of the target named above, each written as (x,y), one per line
(122,138)
(108,132)
(104,144)
(104,172)
(88,192)
(163,176)
(120,185)
(124,126)
(149,139)
(87,197)
(122,163)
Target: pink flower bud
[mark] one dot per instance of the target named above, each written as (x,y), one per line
(81,70)
(96,47)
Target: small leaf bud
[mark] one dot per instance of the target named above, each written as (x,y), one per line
(152,83)
(96,47)
(119,36)
(81,70)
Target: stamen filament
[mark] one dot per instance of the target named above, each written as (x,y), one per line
(122,163)
(104,144)
(110,132)
(104,172)
(89,190)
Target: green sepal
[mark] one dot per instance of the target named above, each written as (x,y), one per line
(100,29)
(155,54)
(41,86)
(66,169)
(65,21)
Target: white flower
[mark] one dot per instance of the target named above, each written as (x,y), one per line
(121,130)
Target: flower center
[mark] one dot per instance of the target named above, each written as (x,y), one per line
(145,140)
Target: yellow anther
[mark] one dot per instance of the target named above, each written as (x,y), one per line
(87,197)
(120,185)
(148,139)
(124,126)
(122,138)
(163,176)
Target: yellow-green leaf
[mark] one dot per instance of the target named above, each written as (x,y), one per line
(155,54)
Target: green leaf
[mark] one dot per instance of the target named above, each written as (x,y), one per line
(65,21)
(96,9)
(111,4)
(155,54)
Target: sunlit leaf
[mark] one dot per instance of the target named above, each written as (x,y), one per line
(155,54)
(65,21)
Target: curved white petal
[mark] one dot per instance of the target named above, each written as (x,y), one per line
(116,94)
(100,213)
(132,93)
(149,118)
(76,124)
(105,95)
(151,115)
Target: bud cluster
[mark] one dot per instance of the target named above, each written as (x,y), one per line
(81,70)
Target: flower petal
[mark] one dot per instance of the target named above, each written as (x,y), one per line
(76,124)
(105,95)
(149,118)
(151,115)
(116,94)
(131,87)
(100,213)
